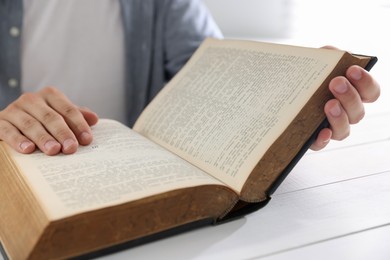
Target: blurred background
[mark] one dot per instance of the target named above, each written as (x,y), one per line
(359,26)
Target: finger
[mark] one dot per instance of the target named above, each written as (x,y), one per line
(11,135)
(329,47)
(40,121)
(72,116)
(338,119)
(365,84)
(32,129)
(90,116)
(91,119)
(349,98)
(322,140)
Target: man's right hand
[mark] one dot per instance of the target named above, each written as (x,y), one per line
(47,120)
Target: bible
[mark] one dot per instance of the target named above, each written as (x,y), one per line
(212,146)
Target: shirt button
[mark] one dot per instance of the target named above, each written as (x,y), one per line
(12,83)
(14,31)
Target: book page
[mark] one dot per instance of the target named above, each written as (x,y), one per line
(231,101)
(119,166)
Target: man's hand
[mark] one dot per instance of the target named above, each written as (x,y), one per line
(47,120)
(350,92)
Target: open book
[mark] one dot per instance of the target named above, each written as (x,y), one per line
(213,145)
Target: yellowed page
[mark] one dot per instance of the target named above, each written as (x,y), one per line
(231,101)
(119,166)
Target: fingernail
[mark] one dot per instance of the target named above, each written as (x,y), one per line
(356,74)
(341,88)
(68,143)
(326,140)
(25,146)
(335,110)
(50,145)
(85,137)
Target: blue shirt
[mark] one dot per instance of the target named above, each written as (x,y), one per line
(160,36)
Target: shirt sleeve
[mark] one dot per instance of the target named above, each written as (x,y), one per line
(187,23)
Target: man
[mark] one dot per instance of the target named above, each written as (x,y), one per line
(144,42)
